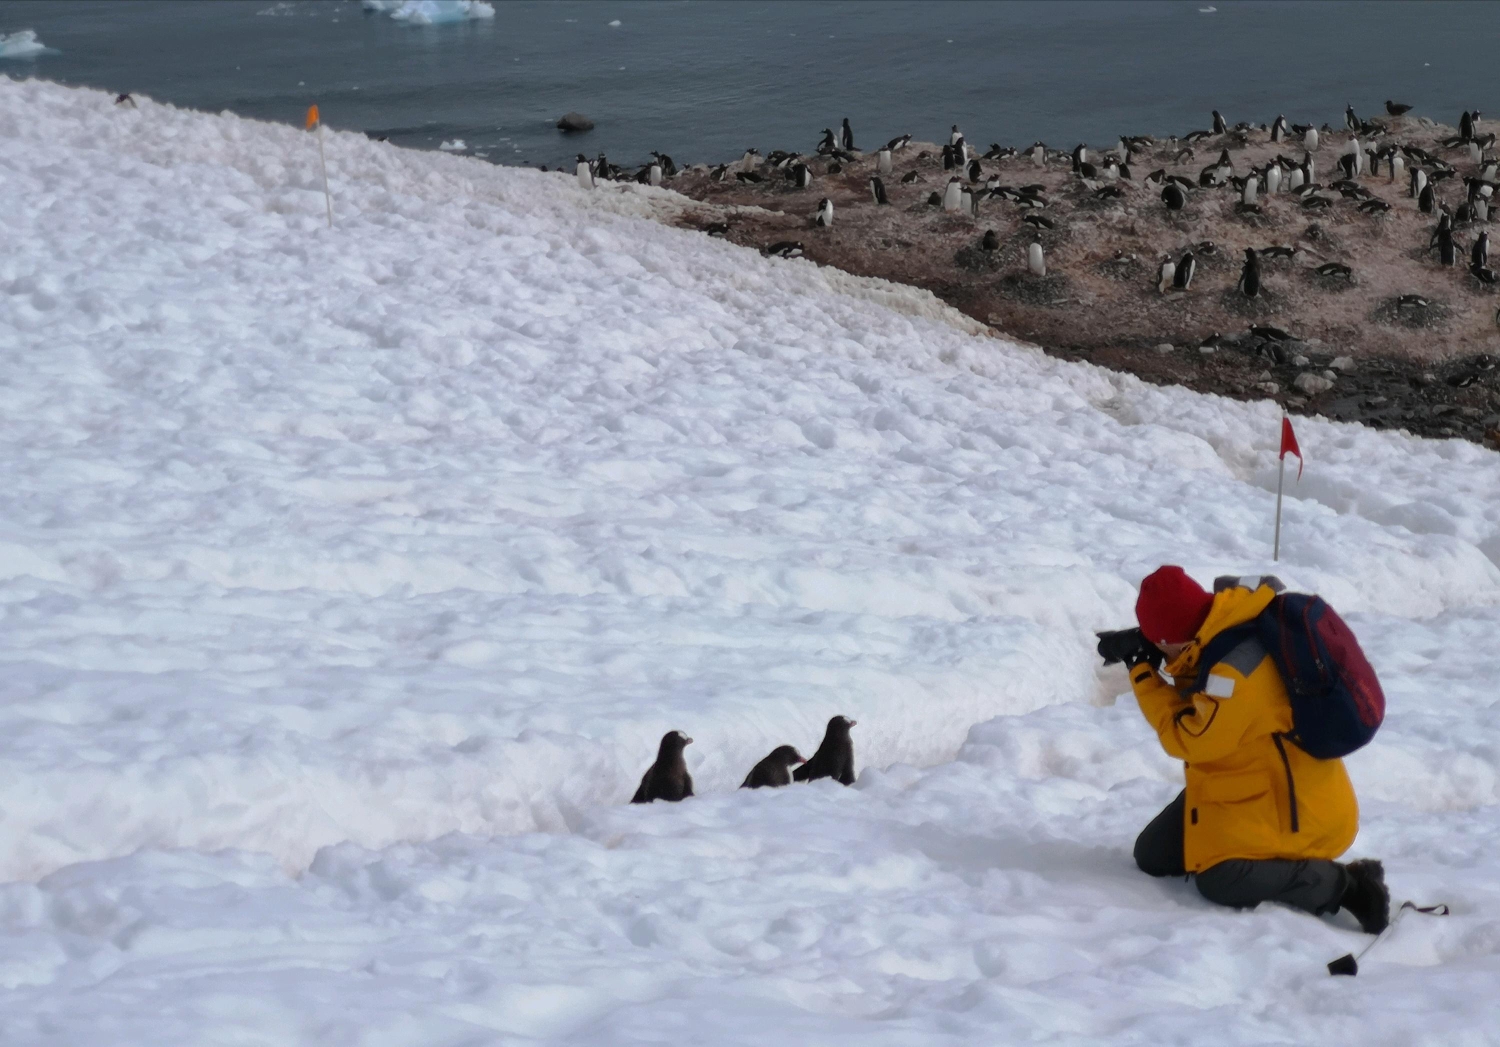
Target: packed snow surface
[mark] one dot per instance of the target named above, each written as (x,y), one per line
(349,576)
(432,12)
(21,44)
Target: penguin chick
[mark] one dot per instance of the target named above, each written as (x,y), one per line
(775,769)
(667,778)
(835,756)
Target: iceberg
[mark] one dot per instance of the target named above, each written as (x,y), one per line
(432,12)
(21,44)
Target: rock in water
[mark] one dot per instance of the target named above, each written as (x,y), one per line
(575,122)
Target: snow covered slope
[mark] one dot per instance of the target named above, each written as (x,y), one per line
(321,545)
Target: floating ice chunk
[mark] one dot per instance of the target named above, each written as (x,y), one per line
(21,44)
(433,12)
(615,24)
(458,145)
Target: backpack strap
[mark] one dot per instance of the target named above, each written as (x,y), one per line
(1221,647)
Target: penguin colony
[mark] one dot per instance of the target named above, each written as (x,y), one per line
(1247,204)
(668,778)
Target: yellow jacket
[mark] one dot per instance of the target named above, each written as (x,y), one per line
(1251,793)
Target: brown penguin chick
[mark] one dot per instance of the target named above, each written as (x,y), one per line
(775,769)
(835,756)
(667,778)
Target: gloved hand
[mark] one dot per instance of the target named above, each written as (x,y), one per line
(1129,646)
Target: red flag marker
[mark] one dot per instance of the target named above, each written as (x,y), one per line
(1289,443)
(1288,446)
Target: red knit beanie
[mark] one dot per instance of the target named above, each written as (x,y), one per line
(1171,607)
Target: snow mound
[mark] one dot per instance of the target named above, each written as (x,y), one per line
(432,12)
(21,44)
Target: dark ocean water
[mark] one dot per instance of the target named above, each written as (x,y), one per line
(702,81)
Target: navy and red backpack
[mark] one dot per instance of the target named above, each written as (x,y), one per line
(1337,703)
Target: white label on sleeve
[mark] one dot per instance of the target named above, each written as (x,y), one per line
(1219,686)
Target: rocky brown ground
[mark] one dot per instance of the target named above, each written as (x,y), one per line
(1429,370)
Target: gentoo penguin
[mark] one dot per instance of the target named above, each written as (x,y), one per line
(1164,274)
(1038,221)
(991,242)
(718,230)
(774,770)
(898,143)
(1187,265)
(1336,269)
(718,173)
(976,172)
(1278,128)
(1442,236)
(585,173)
(1250,275)
(1350,120)
(1247,197)
(1466,126)
(1034,260)
(912,176)
(877,190)
(966,203)
(667,778)
(1396,108)
(651,175)
(847,139)
(1418,182)
(834,758)
(751,160)
(1273,178)
(1425,199)
(953,195)
(1080,156)
(1479,254)
(955,135)
(1310,140)
(961,151)
(1483,275)
(801,175)
(1354,149)
(829,142)
(883,162)
(1295,179)
(1173,196)
(1396,168)
(824,217)
(786,249)
(1220,127)
(1347,165)
(1087,170)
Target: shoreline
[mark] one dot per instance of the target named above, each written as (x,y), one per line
(1353,352)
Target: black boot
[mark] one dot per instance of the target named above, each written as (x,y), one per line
(1366,895)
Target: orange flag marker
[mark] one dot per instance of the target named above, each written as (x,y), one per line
(315,122)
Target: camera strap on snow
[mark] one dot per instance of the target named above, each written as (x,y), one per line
(1349,962)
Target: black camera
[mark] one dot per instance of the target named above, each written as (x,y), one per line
(1129,646)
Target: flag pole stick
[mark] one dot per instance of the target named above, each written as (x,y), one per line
(1280,476)
(323,161)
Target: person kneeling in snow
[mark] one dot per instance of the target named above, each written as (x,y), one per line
(1260,820)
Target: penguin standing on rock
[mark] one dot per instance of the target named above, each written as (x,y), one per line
(848,135)
(835,756)
(1182,279)
(1310,139)
(1034,260)
(801,175)
(1479,254)
(1442,237)
(1173,196)
(775,770)
(667,778)
(1250,275)
(1278,129)
(1164,274)
(877,190)
(883,162)
(976,172)
(824,217)
(1350,120)
(829,142)
(1220,127)
(953,195)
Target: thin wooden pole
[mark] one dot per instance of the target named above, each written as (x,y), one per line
(1280,476)
(323,160)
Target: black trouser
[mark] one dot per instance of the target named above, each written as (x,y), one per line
(1314,885)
